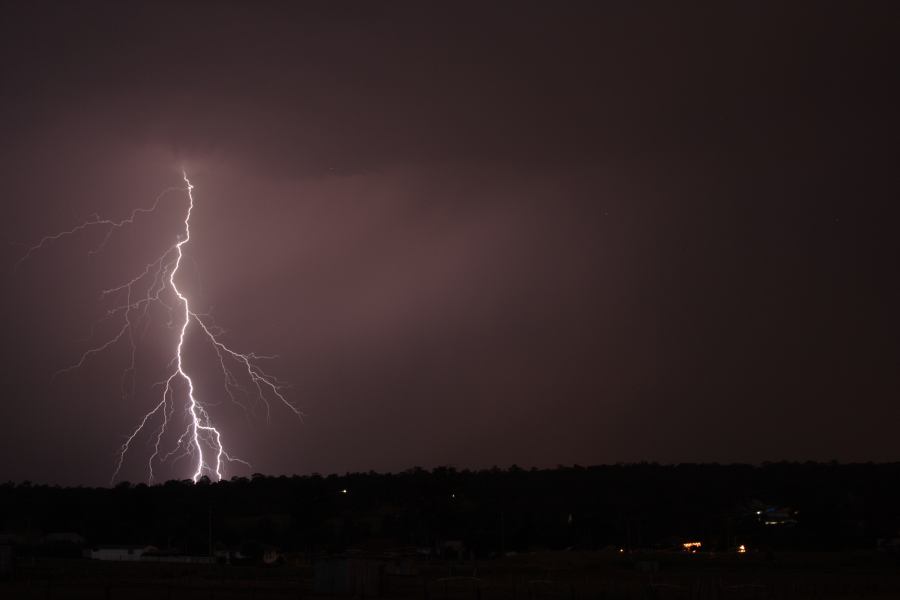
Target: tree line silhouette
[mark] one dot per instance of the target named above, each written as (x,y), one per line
(817,506)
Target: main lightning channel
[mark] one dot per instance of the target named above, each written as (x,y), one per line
(195,410)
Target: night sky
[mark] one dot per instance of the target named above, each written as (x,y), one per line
(475,234)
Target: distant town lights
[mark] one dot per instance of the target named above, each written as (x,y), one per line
(691,547)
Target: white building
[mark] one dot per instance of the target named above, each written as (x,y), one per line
(118,552)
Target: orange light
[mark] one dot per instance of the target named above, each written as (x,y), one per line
(742,549)
(691,547)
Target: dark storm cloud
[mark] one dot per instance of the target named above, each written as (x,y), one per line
(305,89)
(476,235)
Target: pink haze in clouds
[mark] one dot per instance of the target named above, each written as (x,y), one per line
(473,235)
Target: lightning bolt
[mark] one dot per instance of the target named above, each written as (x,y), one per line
(201,439)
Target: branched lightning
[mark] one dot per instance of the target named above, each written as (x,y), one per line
(157,283)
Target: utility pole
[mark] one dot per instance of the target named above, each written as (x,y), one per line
(502,534)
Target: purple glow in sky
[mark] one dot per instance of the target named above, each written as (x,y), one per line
(473,235)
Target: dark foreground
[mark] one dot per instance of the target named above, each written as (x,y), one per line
(538,576)
(784,530)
